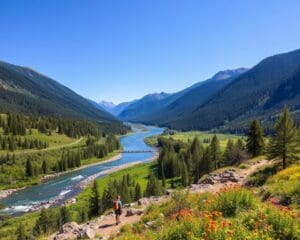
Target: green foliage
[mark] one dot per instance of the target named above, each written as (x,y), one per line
(255,140)
(21,233)
(44,148)
(285,141)
(154,187)
(247,218)
(259,177)
(137,192)
(179,201)
(261,92)
(48,98)
(230,201)
(64,216)
(29,168)
(234,153)
(215,151)
(95,203)
(47,222)
(285,186)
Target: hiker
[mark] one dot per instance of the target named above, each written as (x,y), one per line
(118,209)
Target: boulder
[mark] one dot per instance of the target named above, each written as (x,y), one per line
(70,201)
(88,233)
(169,191)
(143,202)
(131,212)
(149,224)
(70,227)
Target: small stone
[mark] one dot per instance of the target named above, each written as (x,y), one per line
(143,201)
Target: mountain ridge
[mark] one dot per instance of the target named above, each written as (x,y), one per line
(159,106)
(26,90)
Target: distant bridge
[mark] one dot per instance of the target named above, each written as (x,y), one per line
(139,151)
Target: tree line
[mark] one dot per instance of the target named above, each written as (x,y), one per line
(18,124)
(190,161)
(12,143)
(186,161)
(51,220)
(72,158)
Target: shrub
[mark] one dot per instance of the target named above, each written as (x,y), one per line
(244,166)
(283,222)
(155,212)
(231,200)
(187,229)
(278,222)
(179,201)
(260,177)
(286,185)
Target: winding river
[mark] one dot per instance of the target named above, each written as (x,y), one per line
(66,186)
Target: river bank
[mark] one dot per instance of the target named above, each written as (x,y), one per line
(7,192)
(57,189)
(83,184)
(54,175)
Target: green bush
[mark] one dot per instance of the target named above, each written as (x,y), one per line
(279,223)
(231,200)
(286,185)
(260,177)
(179,200)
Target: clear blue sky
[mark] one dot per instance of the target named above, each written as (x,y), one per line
(120,50)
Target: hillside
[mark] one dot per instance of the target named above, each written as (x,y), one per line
(189,99)
(143,106)
(158,108)
(25,90)
(260,92)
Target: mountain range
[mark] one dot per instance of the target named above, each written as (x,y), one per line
(228,100)
(25,90)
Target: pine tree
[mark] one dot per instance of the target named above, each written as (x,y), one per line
(44,167)
(207,163)
(184,175)
(83,214)
(95,205)
(21,234)
(229,153)
(196,153)
(137,192)
(29,169)
(109,194)
(238,152)
(255,140)
(42,225)
(284,143)
(154,187)
(215,151)
(125,190)
(64,216)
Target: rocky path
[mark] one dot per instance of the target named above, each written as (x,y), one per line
(104,226)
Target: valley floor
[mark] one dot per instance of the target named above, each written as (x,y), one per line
(105,227)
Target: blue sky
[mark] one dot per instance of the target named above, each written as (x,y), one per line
(121,50)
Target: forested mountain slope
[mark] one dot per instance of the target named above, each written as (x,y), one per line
(260,92)
(143,106)
(157,108)
(192,97)
(25,90)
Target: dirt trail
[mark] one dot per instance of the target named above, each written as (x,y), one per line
(105,226)
(243,173)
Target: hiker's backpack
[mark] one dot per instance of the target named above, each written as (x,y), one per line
(115,205)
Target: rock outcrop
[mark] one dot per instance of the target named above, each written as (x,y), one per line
(229,175)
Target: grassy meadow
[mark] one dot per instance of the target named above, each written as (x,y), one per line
(204,137)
